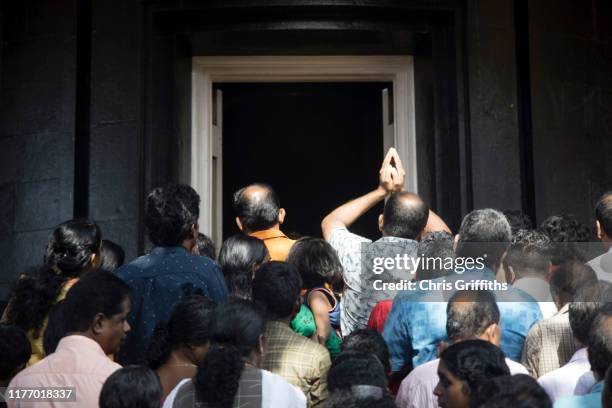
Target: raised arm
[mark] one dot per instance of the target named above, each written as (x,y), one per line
(391,179)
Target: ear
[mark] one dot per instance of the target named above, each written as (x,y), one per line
(239,224)
(491,334)
(95,260)
(281,215)
(598,230)
(261,347)
(455,242)
(97,326)
(381,222)
(194,230)
(510,275)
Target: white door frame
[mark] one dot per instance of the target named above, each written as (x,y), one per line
(208,70)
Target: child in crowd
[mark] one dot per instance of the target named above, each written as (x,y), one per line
(321,272)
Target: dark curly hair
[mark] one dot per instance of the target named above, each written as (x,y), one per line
(473,361)
(316,261)
(189,325)
(565,232)
(512,391)
(68,254)
(170,213)
(276,288)
(529,250)
(237,326)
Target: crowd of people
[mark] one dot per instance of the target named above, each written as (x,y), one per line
(274,321)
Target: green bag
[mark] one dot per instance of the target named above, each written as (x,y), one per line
(304,323)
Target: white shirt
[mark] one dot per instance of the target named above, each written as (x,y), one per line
(416,390)
(276,392)
(562,381)
(538,289)
(602,265)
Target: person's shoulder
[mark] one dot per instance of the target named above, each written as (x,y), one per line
(134,267)
(341,236)
(423,373)
(279,386)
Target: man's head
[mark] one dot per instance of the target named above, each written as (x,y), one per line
(600,342)
(438,247)
(473,315)
(510,391)
(603,218)
(583,309)
(351,368)
(528,255)
(484,232)
(405,215)
(463,366)
(97,307)
(565,231)
(368,341)
(277,288)
(257,208)
(568,279)
(518,221)
(171,215)
(204,247)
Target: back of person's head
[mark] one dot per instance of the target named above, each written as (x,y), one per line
(188,327)
(484,232)
(73,246)
(112,255)
(603,216)
(15,350)
(257,206)
(435,249)
(239,258)
(171,213)
(132,387)
(405,215)
(205,246)
(528,255)
(589,299)
(352,368)
(568,278)
(471,314)
(510,391)
(72,249)
(360,396)
(98,304)
(565,232)
(368,341)
(316,261)
(277,288)
(518,221)
(237,329)
(600,342)
(471,362)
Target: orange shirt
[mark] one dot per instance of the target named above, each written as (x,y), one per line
(277,243)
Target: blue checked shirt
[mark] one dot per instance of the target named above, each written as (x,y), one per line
(417,321)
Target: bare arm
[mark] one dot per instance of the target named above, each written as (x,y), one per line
(320,309)
(391,179)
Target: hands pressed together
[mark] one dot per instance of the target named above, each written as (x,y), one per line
(392,173)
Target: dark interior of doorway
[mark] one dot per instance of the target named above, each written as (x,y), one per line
(318,145)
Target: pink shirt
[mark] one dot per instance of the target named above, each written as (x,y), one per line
(78,362)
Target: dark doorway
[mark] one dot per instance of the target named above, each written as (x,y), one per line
(317,144)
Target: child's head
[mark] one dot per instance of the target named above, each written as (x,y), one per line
(131,386)
(15,350)
(316,261)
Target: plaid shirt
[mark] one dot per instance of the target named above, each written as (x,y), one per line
(299,360)
(549,344)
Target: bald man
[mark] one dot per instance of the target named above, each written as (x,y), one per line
(259,214)
(404,219)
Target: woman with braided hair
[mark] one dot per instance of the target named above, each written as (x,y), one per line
(72,250)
